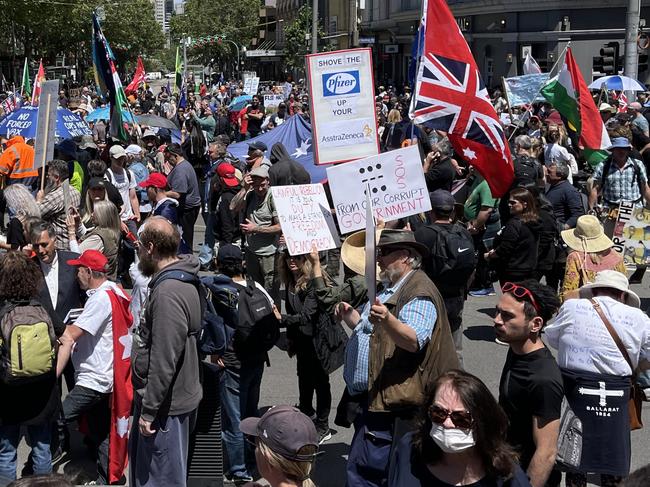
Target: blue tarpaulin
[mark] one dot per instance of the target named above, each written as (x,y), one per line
(295,134)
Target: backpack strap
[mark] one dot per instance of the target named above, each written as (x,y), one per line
(613,333)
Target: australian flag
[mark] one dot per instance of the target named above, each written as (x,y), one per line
(450,96)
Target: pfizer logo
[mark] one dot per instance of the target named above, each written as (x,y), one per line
(342,83)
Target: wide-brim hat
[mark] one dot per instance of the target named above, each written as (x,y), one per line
(587,236)
(613,280)
(620,143)
(353,252)
(402,239)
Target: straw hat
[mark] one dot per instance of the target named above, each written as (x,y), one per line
(587,236)
(613,280)
(353,252)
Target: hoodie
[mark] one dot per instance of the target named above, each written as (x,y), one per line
(284,170)
(516,248)
(164,357)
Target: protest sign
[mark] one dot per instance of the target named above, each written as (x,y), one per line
(342,105)
(631,231)
(271,103)
(523,90)
(371,244)
(251,85)
(396,183)
(46,125)
(305,218)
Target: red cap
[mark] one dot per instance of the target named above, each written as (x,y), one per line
(227,173)
(93,259)
(155,179)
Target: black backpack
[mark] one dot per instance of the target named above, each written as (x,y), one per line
(259,329)
(452,257)
(527,169)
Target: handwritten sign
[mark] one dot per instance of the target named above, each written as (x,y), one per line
(631,233)
(271,102)
(305,218)
(396,183)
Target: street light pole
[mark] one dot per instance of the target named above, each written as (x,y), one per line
(631,34)
(238,55)
(314,26)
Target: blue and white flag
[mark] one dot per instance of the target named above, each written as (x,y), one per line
(524,90)
(295,135)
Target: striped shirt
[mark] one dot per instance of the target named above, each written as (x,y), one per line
(420,314)
(621,184)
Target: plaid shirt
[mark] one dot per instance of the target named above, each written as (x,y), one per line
(53,211)
(419,314)
(621,184)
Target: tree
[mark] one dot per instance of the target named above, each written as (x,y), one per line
(233,20)
(297,37)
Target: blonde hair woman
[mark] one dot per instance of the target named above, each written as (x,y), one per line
(286,444)
(20,200)
(591,253)
(393,134)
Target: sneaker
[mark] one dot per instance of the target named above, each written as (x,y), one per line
(477,293)
(242,480)
(324,435)
(646,392)
(496,340)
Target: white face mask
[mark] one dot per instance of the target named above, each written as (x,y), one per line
(452,440)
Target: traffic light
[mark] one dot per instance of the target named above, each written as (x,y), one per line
(643,62)
(609,53)
(597,63)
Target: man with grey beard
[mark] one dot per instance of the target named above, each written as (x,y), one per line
(164,359)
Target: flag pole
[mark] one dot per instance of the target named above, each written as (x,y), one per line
(47,124)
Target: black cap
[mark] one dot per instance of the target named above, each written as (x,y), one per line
(442,199)
(95,183)
(257,145)
(175,149)
(229,253)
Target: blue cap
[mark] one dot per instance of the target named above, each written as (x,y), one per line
(230,253)
(442,199)
(620,143)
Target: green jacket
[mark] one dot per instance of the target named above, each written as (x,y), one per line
(208,124)
(352,291)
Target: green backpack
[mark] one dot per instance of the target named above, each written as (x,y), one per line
(28,344)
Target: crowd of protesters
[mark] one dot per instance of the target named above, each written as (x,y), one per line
(110,240)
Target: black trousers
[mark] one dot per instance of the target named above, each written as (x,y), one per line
(312,378)
(187,220)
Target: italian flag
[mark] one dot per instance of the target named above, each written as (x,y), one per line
(569,94)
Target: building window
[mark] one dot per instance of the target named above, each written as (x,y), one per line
(489,71)
(404,5)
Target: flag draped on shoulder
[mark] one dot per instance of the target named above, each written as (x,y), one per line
(138,78)
(38,83)
(122,397)
(450,96)
(25,86)
(569,94)
(108,81)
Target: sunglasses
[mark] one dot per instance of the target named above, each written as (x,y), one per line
(461,419)
(521,293)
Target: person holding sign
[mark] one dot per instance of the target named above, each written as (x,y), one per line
(400,344)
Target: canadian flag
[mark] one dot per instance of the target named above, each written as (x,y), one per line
(122,397)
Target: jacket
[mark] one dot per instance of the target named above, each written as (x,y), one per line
(17,161)
(400,380)
(516,247)
(164,356)
(567,203)
(226,224)
(70,295)
(352,291)
(284,170)
(111,243)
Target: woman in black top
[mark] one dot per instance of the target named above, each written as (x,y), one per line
(23,205)
(461,440)
(514,256)
(316,339)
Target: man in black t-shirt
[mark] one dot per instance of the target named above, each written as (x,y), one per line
(255,116)
(530,390)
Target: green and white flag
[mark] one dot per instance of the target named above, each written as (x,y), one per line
(25,86)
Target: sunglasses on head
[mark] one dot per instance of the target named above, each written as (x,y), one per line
(461,419)
(521,293)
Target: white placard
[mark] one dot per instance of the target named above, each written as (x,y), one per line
(371,250)
(342,101)
(397,186)
(271,103)
(251,85)
(305,218)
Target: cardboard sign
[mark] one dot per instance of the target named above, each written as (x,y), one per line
(631,233)
(46,125)
(371,252)
(271,103)
(343,117)
(251,85)
(305,218)
(396,183)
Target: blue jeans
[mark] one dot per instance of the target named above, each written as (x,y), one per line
(39,439)
(240,395)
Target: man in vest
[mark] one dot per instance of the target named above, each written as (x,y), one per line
(404,334)
(17,163)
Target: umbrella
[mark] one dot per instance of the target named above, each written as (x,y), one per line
(156,121)
(239,103)
(617,82)
(24,121)
(104,113)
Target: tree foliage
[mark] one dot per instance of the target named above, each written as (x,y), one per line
(297,39)
(45,29)
(233,20)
